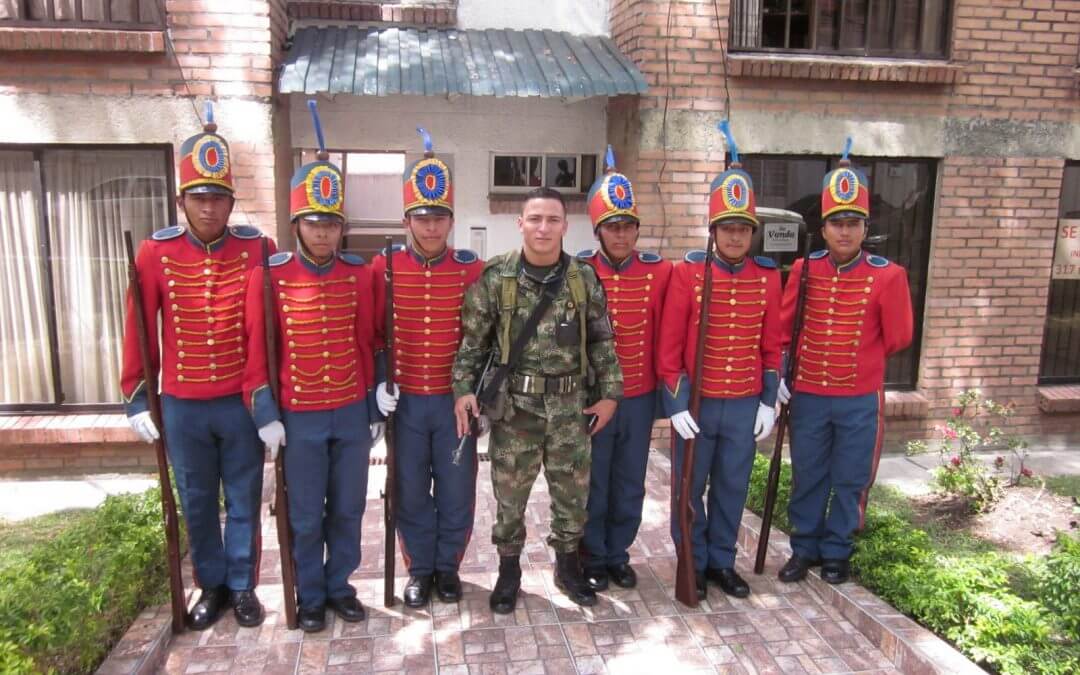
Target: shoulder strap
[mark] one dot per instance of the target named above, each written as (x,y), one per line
(507,302)
(581,300)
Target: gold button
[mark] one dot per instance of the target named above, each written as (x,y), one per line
(281,295)
(326,378)
(179,366)
(179,343)
(427,343)
(292,344)
(325,319)
(180,354)
(615,324)
(733,290)
(180,378)
(825,364)
(832,300)
(869,280)
(649,275)
(833,289)
(733,301)
(176,319)
(698,299)
(289,332)
(828,322)
(244,254)
(832,311)
(298,388)
(164,258)
(171,284)
(828,332)
(728,369)
(427,355)
(326,355)
(209,283)
(207,295)
(281,282)
(427,331)
(397,371)
(292,367)
(213,366)
(427,273)
(288,322)
(206,271)
(175,307)
(213,378)
(648,287)
(427,388)
(865,301)
(835,279)
(866,290)
(167,271)
(292,355)
(352,277)
(858,333)
(614,311)
(427,319)
(615,277)
(731,337)
(697,289)
(294,401)
(210,342)
(322,308)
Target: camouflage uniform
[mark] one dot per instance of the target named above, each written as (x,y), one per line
(528,429)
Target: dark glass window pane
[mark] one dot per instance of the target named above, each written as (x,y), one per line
(934,28)
(906,25)
(1060,355)
(799,33)
(773,23)
(1070,192)
(588,172)
(853,26)
(828,25)
(516,171)
(881,21)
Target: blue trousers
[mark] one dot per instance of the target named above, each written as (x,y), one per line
(835,447)
(326,469)
(213,445)
(620,457)
(723,456)
(436,498)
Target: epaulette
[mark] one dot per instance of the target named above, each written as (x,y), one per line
(465,256)
(586,253)
(695,256)
(817,255)
(245,232)
(877,261)
(649,258)
(765,261)
(350,259)
(167,233)
(396,247)
(280,258)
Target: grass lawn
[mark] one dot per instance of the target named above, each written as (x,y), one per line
(1066,486)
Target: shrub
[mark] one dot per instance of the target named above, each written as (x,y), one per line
(69,600)
(1059,584)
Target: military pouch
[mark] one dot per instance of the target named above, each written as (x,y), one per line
(496,407)
(568,333)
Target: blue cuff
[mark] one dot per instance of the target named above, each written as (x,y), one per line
(770,382)
(678,400)
(138,402)
(380,366)
(263,408)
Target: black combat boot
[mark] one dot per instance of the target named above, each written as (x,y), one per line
(504,596)
(568,577)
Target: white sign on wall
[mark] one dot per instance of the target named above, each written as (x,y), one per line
(1067,250)
(781,237)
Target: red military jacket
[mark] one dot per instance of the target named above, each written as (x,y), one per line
(428,295)
(855,316)
(635,293)
(742,344)
(198,289)
(325,333)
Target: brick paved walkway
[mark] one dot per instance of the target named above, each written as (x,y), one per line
(780,628)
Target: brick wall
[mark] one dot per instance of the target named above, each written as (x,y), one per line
(1004,108)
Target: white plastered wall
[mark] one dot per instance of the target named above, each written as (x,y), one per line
(582,17)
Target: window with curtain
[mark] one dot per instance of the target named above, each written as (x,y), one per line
(62,217)
(1061,337)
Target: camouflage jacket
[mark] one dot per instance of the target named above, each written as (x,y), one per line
(543,355)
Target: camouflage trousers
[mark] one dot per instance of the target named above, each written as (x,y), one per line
(540,429)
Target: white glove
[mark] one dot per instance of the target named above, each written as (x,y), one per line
(766,418)
(142,425)
(783,394)
(484,424)
(273,437)
(386,401)
(684,425)
(377,431)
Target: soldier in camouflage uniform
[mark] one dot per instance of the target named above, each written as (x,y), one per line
(542,413)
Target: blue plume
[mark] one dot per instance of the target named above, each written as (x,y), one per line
(847,148)
(428,145)
(209,112)
(313,107)
(609,159)
(725,129)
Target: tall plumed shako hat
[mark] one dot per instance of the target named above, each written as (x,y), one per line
(611,197)
(731,195)
(845,192)
(205,162)
(427,185)
(317,188)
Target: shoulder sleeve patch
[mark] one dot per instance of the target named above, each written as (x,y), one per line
(877,261)
(695,256)
(280,258)
(586,253)
(765,261)
(167,233)
(397,248)
(816,255)
(649,257)
(465,256)
(245,232)
(351,259)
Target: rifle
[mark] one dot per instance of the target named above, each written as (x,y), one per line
(772,483)
(474,425)
(389,493)
(168,500)
(280,507)
(685,585)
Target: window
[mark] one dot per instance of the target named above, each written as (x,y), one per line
(888,28)
(1061,337)
(104,14)
(901,210)
(62,217)
(521,173)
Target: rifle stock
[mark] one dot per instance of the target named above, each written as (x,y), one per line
(168,501)
(772,483)
(280,507)
(685,586)
(389,493)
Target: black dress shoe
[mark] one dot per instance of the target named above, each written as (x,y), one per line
(208,607)
(569,580)
(311,619)
(623,575)
(448,586)
(835,571)
(728,580)
(699,583)
(417,591)
(247,608)
(596,578)
(795,568)
(348,608)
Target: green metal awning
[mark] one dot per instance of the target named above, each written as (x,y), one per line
(435,62)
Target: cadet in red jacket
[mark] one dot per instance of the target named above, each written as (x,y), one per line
(193,278)
(325,331)
(857,313)
(635,283)
(435,497)
(739,377)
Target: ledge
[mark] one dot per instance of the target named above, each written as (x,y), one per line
(81,40)
(1059,398)
(906,405)
(842,68)
(502,202)
(44,429)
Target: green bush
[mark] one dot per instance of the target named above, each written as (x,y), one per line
(963,594)
(72,598)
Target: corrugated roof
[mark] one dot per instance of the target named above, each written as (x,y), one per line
(433,62)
